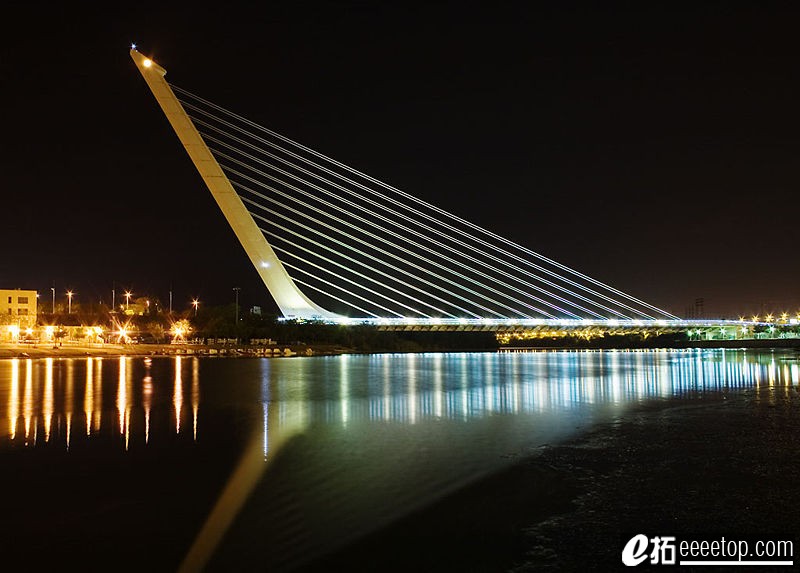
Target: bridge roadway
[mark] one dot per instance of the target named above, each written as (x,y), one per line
(606,326)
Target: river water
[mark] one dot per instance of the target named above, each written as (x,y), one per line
(136,462)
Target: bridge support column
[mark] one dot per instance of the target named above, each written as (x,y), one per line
(291,301)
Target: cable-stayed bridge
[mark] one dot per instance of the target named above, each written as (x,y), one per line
(337,245)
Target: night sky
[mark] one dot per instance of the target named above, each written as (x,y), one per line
(653,147)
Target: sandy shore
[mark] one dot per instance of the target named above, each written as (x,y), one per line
(722,465)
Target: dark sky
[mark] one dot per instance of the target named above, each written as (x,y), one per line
(654,146)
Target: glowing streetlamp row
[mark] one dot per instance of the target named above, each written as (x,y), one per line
(118,333)
(128,294)
(770,318)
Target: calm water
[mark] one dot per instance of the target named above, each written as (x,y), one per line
(266,462)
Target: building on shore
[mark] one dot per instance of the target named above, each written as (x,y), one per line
(17,312)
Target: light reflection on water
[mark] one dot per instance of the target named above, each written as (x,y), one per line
(363,438)
(45,397)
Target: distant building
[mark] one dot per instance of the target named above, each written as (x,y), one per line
(17,309)
(138,307)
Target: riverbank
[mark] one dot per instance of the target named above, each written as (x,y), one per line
(73,350)
(724,464)
(14,350)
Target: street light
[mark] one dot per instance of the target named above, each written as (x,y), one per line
(54,299)
(127,299)
(195,304)
(69,302)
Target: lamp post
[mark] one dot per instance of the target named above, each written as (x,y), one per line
(127,299)
(69,302)
(195,304)
(53,289)
(236,290)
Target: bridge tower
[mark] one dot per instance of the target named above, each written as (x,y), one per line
(290,300)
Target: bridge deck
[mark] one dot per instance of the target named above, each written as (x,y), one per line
(610,326)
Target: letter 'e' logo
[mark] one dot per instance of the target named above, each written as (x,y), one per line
(635,550)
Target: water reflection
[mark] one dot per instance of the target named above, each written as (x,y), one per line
(195,396)
(27,400)
(332,444)
(55,396)
(69,397)
(48,398)
(98,390)
(13,399)
(177,398)
(294,395)
(123,410)
(147,398)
